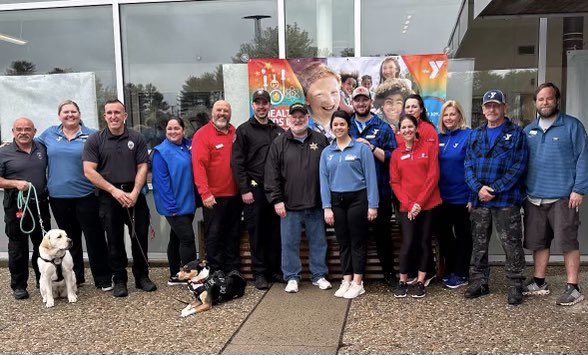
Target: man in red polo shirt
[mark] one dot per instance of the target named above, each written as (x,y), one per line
(211,161)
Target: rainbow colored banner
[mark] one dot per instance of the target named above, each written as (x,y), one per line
(307,80)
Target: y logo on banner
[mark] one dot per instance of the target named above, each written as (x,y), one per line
(436,66)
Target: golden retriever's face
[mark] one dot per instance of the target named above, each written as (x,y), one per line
(56,239)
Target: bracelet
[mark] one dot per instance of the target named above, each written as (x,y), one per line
(373,148)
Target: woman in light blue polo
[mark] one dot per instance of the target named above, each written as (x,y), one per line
(71,195)
(349,192)
(455,237)
(175,195)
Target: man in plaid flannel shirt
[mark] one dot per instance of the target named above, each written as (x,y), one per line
(495,166)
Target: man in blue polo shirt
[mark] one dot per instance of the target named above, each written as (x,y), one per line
(23,162)
(557,179)
(369,129)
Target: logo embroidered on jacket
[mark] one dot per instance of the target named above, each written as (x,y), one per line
(313,146)
(507,136)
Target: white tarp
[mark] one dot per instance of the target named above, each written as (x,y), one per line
(37,97)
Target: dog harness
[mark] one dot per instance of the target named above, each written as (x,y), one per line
(58,268)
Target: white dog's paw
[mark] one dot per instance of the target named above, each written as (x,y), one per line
(44,299)
(50,303)
(187,311)
(72,298)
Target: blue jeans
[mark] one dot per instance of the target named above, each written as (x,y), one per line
(291,230)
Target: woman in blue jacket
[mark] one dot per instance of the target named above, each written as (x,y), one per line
(455,238)
(349,192)
(175,196)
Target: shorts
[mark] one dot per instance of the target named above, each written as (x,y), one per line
(551,221)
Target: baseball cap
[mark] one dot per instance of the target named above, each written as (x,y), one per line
(261,94)
(297,106)
(494,96)
(359,91)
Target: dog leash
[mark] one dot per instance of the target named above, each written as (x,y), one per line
(134,233)
(22,202)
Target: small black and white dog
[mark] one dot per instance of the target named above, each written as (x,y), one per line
(208,287)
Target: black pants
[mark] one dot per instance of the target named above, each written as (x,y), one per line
(181,248)
(114,217)
(416,240)
(221,230)
(380,231)
(455,238)
(77,215)
(351,227)
(414,267)
(18,242)
(263,225)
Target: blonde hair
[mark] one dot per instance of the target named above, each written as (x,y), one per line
(67,102)
(451,103)
(314,72)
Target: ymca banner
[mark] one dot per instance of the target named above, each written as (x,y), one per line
(313,81)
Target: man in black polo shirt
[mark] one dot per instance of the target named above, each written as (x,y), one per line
(22,162)
(115,160)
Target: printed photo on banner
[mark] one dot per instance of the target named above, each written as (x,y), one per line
(326,84)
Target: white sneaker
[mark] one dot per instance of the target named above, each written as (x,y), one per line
(354,290)
(343,288)
(322,283)
(292,286)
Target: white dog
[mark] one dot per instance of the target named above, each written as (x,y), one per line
(56,266)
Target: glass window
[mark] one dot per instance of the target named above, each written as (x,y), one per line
(407,27)
(319,28)
(60,40)
(173,52)
(509,65)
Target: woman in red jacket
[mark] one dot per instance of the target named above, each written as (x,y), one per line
(414,173)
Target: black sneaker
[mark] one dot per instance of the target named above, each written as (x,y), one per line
(278,278)
(400,291)
(476,290)
(145,284)
(120,290)
(261,282)
(20,294)
(174,281)
(419,290)
(515,295)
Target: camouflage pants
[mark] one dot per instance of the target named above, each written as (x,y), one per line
(508,225)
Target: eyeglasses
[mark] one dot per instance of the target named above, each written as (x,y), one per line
(23,129)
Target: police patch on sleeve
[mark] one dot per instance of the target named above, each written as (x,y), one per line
(131,145)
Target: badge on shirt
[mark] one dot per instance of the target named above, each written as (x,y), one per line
(219,146)
(555,139)
(350,157)
(533,132)
(39,155)
(442,144)
(131,145)
(405,156)
(313,146)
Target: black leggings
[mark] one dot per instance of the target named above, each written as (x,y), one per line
(455,238)
(416,235)
(351,227)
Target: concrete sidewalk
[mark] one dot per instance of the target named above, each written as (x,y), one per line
(312,321)
(308,322)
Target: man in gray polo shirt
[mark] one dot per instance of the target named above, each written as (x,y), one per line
(115,160)
(22,162)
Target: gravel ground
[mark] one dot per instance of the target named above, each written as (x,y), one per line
(445,322)
(99,323)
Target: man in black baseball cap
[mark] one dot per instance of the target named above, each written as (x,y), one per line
(252,142)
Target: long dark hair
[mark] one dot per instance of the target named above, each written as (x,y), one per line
(423,116)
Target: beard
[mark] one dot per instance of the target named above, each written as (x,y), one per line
(547,112)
